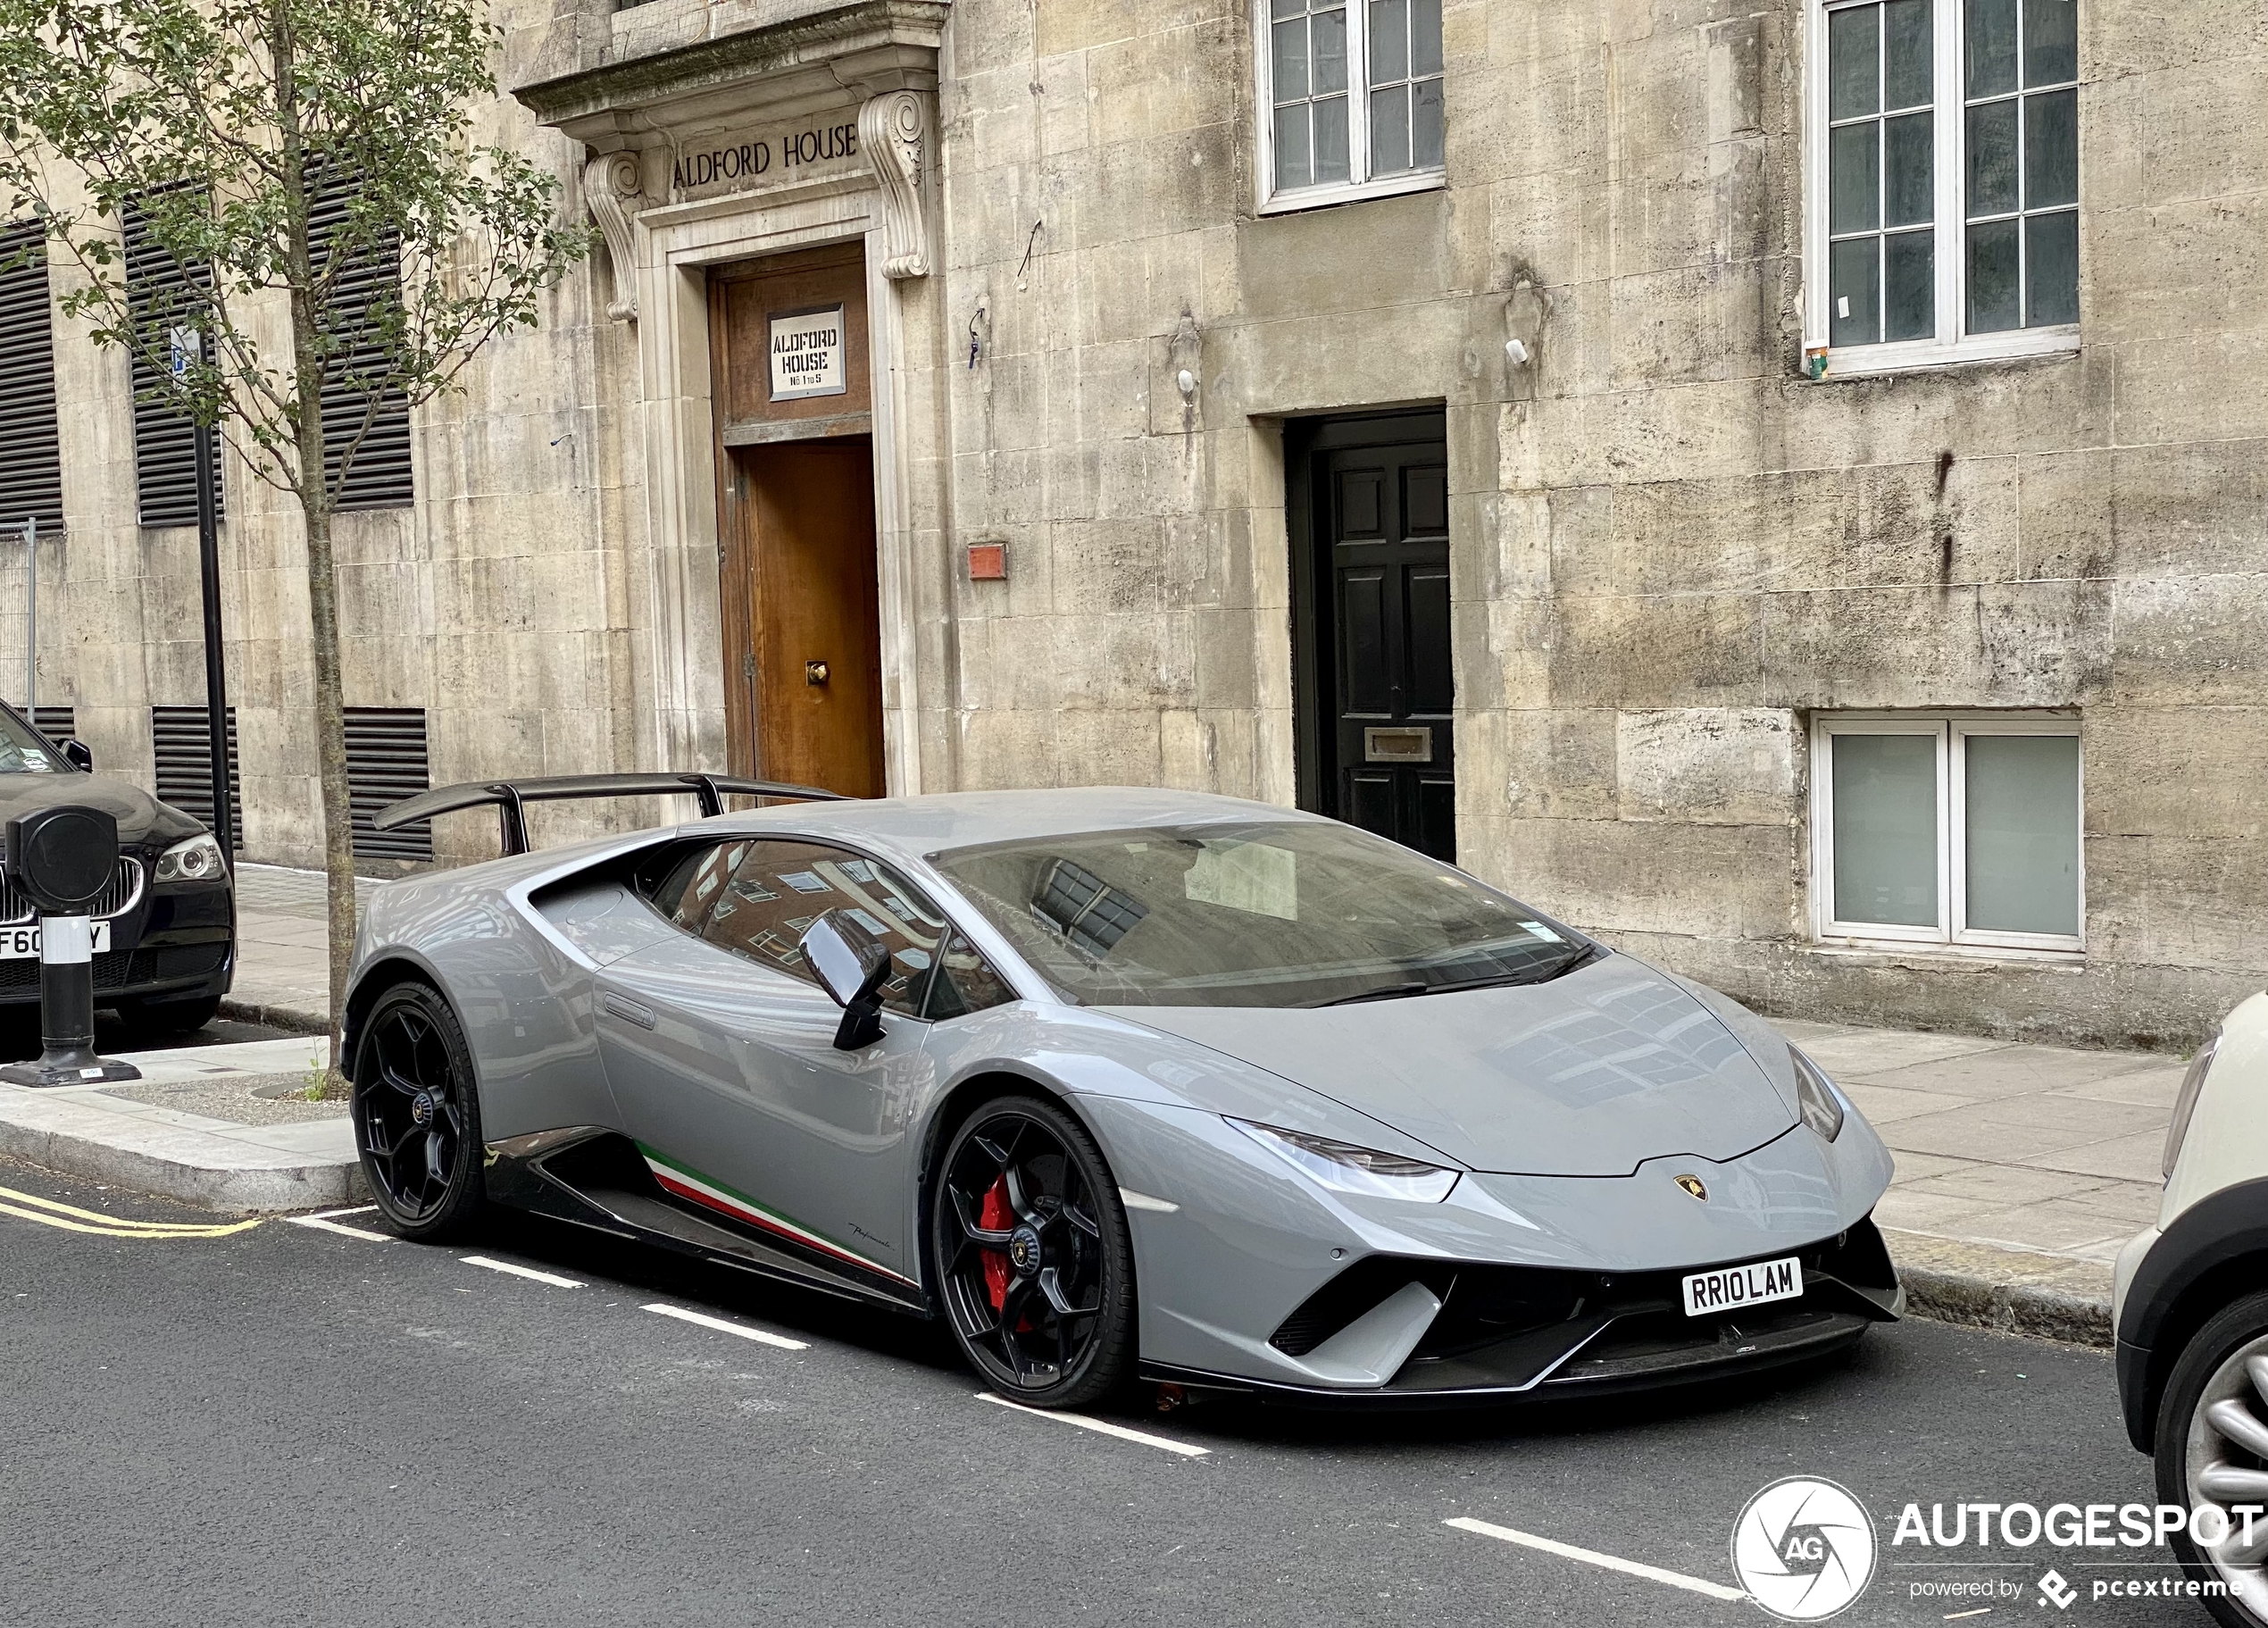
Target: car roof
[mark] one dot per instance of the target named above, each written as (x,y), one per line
(921,826)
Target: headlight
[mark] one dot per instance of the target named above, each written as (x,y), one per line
(1345,1169)
(2186,1104)
(200,859)
(1822,1109)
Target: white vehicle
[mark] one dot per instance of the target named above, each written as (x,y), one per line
(2191,1311)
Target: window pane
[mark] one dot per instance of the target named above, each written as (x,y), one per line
(2051,41)
(1909,190)
(1330,50)
(1992,159)
(2023,833)
(1391,130)
(1910,286)
(1331,140)
(1291,60)
(1854,313)
(1293,168)
(1886,829)
(1854,183)
(1854,67)
(1426,140)
(2051,149)
(1290,8)
(1995,304)
(2051,274)
(1992,47)
(1908,73)
(1389,41)
(1425,36)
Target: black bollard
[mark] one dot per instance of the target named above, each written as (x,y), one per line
(61,859)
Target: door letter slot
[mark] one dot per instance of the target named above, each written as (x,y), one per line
(1397,746)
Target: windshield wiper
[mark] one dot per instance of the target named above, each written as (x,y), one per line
(1398,991)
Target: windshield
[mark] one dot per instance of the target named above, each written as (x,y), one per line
(1293,914)
(24,750)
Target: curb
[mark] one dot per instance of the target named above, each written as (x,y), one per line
(197,1167)
(2007,1308)
(291,1020)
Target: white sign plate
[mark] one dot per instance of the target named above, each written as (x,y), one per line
(22,943)
(1738,1286)
(807,354)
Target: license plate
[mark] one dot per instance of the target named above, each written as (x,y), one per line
(1733,1287)
(22,943)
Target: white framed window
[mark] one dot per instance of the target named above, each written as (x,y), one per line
(1962,829)
(1941,156)
(1350,99)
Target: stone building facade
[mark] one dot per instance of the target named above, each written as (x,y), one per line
(1777,483)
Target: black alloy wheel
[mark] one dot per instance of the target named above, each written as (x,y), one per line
(1032,1255)
(417,1120)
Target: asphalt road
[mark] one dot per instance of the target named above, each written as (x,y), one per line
(291,1426)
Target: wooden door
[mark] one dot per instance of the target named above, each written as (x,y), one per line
(1384,681)
(814,670)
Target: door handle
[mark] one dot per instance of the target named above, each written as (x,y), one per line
(814,673)
(629,1011)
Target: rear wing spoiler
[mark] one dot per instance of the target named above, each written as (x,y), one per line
(510,796)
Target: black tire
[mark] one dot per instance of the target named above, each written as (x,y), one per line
(2215,1368)
(163,1017)
(417,1114)
(1040,1293)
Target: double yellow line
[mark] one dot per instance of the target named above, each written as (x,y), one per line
(48,1212)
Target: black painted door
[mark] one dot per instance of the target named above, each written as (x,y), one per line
(1386,520)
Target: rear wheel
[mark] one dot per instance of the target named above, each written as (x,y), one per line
(2212,1451)
(417,1119)
(1033,1259)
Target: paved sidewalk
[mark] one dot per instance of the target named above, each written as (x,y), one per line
(2021,1170)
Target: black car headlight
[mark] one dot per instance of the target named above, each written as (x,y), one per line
(197,859)
(2185,1104)
(1822,1109)
(1347,1169)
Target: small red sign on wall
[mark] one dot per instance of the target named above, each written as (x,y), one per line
(987,562)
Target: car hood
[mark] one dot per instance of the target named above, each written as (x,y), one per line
(1590,1075)
(141,818)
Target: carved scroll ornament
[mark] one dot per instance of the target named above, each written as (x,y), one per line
(610,188)
(893,133)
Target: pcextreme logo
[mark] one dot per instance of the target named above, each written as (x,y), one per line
(1803,1549)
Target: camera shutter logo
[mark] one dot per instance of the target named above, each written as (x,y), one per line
(1803,1549)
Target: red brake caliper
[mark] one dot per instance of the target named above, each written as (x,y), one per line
(996,1216)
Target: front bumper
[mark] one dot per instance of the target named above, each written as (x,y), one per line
(172,945)
(1512,1333)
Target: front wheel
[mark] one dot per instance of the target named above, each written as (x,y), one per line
(2213,1451)
(1033,1259)
(417,1118)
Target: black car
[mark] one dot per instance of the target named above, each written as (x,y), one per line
(169,914)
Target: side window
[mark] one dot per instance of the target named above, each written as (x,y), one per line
(686,888)
(965,982)
(778,888)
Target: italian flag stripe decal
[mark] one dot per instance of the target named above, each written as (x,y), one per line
(683,1181)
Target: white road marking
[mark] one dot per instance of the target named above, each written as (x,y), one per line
(323,1224)
(1591,1557)
(360,1209)
(761,1336)
(1104,1425)
(530,1273)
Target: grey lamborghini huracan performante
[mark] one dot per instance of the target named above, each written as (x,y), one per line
(1116,1083)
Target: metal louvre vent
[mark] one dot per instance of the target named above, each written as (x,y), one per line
(123,893)
(185,766)
(161,292)
(57,723)
(385,762)
(380,477)
(32,465)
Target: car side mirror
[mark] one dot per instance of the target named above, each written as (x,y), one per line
(851,963)
(78,757)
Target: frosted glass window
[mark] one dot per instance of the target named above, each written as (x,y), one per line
(2023,796)
(1886,829)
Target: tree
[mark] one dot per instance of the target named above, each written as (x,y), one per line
(277,150)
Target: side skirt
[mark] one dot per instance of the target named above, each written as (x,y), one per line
(589,1176)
